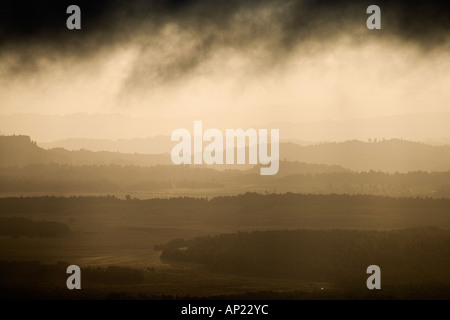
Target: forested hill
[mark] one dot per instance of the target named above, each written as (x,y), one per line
(413,255)
(21,151)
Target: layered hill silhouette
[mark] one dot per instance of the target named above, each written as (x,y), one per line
(387,155)
(431,127)
(21,151)
(26,167)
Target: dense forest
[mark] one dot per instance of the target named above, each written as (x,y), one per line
(337,256)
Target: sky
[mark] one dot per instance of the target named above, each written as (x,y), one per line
(228,63)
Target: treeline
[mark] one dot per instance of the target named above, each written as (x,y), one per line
(294,177)
(248,200)
(16,227)
(340,257)
(24,276)
(246,211)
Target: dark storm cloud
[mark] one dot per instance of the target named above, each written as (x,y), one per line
(35,31)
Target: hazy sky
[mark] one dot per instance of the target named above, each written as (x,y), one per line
(238,63)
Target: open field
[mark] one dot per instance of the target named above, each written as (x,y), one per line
(107,231)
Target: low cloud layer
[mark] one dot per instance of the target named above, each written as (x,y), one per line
(173,38)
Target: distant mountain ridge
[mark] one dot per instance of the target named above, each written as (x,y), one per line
(429,127)
(25,168)
(424,127)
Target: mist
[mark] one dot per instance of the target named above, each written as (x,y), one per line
(228,63)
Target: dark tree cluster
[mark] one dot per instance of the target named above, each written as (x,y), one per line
(337,256)
(16,227)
